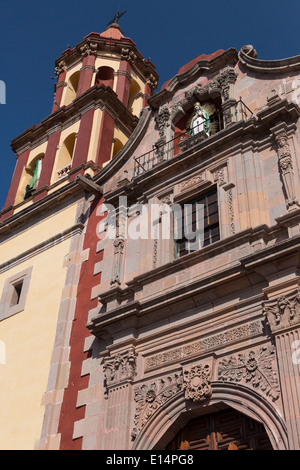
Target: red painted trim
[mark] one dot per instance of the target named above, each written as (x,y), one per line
(83,139)
(69,412)
(105,139)
(86,75)
(14,186)
(123,83)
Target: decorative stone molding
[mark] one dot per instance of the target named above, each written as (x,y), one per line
(201,346)
(197,383)
(286,168)
(119,245)
(284,312)
(121,368)
(60,68)
(163,120)
(150,397)
(219,176)
(88,49)
(127,54)
(249,51)
(227,78)
(194,181)
(152,81)
(254,368)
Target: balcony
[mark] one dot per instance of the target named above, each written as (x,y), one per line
(188,139)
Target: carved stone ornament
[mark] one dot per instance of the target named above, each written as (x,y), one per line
(250,51)
(163,120)
(152,81)
(121,368)
(127,54)
(150,397)
(253,368)
(88,49)
(60,68)
(197,384)
(283,312)
(286,169)
(194,181)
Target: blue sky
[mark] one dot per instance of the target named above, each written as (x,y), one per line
(35,32)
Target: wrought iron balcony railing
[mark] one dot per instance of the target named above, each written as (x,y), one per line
(189,138)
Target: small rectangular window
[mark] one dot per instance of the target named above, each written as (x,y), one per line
(211,234)
(14,294)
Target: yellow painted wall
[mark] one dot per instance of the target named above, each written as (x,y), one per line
(38,233)
(29,335)
(59,158)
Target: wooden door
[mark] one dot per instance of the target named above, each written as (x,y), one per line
(224,430)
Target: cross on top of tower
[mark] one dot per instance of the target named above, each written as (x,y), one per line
(116,17)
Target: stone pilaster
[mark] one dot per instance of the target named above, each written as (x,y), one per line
(282,313)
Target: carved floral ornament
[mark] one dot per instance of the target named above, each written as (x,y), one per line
(284,312)
(120,368)
(253,369)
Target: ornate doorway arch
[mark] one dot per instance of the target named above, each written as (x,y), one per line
(167,420)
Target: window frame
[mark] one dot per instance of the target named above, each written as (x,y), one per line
(7,309)
(193,199)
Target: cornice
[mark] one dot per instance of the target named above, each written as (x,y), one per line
(97,95)
(248,57)
(71,56)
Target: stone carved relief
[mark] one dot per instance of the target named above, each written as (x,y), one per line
(152,82)
(286,168)
(127,54)
(197,383)
(211,343)
(194,181)
(60,68)
(150,397)
(119,245)
(120,368)
(283,312)
(162,120)
(88,49)
(254,368)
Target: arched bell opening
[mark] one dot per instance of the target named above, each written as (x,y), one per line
(105,76)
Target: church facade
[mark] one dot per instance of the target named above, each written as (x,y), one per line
(149,283)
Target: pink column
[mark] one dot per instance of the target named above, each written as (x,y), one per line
(123,83)
(83,140)
(86,74)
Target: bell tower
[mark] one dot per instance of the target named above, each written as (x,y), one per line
(102,85)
